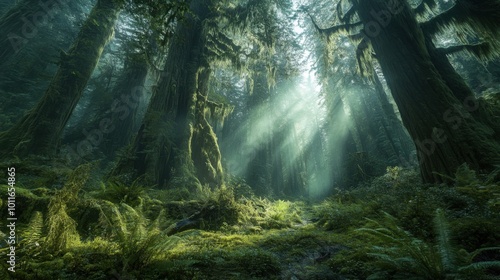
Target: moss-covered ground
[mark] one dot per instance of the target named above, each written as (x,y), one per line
(391,227)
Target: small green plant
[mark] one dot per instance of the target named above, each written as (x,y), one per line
(399,255)
(118,193)
(281,214)
(394,174)
(140,241)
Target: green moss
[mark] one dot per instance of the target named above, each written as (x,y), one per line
(218,256)
(62,233)
(266,214)
(339,217)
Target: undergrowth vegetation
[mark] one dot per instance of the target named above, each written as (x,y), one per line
(390,228)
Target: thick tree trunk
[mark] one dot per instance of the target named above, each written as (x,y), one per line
(39,131)
(397,136)
(161,148)
(453,80)
(445,133)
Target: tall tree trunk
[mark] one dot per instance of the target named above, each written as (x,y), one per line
(158,152)
(257,172)
(445,133)
(396,133)
(130,91)
(453,80)
(39,132)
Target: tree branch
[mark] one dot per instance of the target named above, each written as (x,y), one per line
(432,25)
(480,50)
(422,6)
(335,28)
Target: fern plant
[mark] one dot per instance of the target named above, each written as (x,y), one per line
(403,256)
(32,236)
(140,240)
(118,192)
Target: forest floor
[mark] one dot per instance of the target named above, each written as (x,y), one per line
(389,227)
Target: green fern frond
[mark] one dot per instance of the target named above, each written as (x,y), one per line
(443,237)
(479,266)
(474,254)
(32,235)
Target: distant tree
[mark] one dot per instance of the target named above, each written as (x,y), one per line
(39,131)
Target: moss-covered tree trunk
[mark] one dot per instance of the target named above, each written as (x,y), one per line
(163,147)
(202,144)
(39,131)
(445,133)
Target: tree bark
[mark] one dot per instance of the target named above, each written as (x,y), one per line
(159,152)
(203,146)
(445,133)
(39,132)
